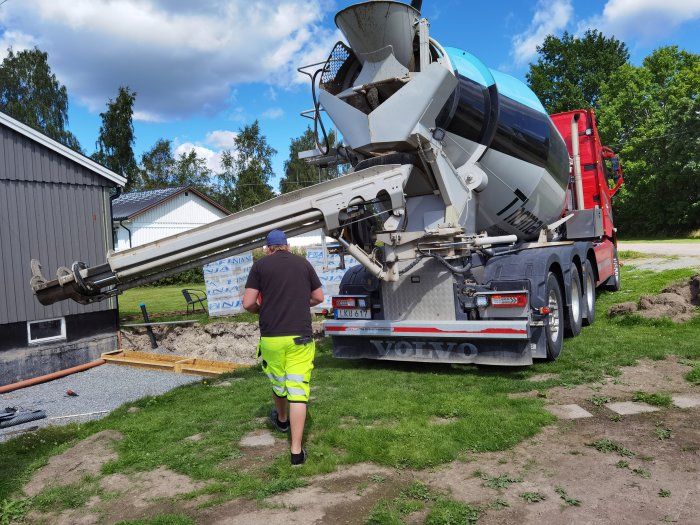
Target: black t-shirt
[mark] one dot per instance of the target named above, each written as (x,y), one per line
(285,282)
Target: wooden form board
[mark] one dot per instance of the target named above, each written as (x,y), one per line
(169,363)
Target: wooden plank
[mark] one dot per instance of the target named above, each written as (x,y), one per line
(177,364)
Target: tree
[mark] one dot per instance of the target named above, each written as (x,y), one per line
(157,167)
(160,169)
(192,170)
(31,93)
(300,174)
(570,70)
(652,114)
(226,180)
(253,168)
(116,138)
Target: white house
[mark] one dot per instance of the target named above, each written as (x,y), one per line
(141,217)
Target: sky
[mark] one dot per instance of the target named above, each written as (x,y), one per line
(204,69)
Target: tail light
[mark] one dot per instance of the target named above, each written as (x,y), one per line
(349,302)
(511,300)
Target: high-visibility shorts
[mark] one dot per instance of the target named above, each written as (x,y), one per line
(288,365)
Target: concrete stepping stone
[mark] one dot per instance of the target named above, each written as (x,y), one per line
(628,408)
(686,401)
(258,438)
(568,411)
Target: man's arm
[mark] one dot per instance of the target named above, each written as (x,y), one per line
(250,300)
(316,297)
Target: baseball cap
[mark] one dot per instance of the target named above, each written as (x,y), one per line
(276,238)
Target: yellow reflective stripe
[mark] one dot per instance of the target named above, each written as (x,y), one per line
(296,391)
(278,389)
(298,378)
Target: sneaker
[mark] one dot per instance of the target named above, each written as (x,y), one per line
(281,427)
(299,459)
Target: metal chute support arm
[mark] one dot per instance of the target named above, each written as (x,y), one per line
(319,206)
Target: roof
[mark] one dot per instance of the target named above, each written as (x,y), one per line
(59,148)
(129,205)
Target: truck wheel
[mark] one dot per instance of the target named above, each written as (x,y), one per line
(574,312)
(554,328)
(613,282)
(588,295)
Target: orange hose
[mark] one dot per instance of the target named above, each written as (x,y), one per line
(50,377)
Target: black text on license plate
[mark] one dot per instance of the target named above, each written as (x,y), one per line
(352,313)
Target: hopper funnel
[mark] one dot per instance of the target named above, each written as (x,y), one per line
(371,26)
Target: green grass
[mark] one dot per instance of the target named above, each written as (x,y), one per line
(567,499)
(532,497)
(449,512)
(411,499)
(694,375)
(606,445)
(390,407)
(627,255)
(656,399)
(162,301)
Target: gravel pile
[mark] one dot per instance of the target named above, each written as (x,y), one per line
(100,390)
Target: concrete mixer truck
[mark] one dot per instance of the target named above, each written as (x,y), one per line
(482,226)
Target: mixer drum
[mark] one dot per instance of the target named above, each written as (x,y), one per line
(526,158)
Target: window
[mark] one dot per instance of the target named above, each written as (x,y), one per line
(46,331)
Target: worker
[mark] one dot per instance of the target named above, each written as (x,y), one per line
(288,286)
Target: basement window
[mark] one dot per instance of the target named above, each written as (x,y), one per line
(46,331)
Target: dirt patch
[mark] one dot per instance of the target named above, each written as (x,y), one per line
(87,457)
(344,496)
(560,459)
(235,342)
(678,303)
(145,494)
(665,376)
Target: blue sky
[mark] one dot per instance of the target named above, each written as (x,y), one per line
(204,69)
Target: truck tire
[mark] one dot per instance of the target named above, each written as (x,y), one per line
(554,329)
(574,311)
(613,282)
(588,295)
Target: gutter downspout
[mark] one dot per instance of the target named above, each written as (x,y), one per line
(121,223)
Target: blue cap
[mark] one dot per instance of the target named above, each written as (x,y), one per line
(276,238)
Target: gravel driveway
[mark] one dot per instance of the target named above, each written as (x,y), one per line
(100,390)
(663,248)
(682,255)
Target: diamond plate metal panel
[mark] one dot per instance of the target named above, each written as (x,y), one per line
(425,292)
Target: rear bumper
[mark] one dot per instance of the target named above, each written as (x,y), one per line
(477,342)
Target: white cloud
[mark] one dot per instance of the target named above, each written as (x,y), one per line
(273,113)
(551,17)
(17,40)
(646,19)
(221,138)
(211,157)
(181,57)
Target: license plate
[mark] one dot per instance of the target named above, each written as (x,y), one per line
(352,313)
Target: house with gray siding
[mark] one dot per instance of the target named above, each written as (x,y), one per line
(55,207)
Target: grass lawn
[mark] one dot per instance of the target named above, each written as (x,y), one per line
(384,412)
(662,239)
(164,300)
